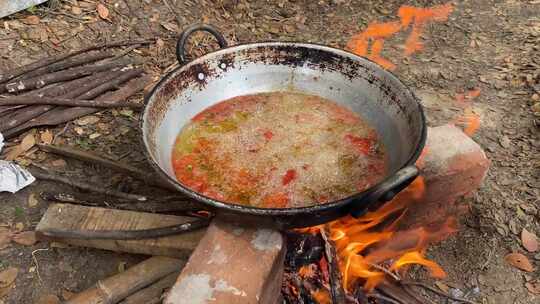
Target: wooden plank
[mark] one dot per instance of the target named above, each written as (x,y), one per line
(74,217)
(116,288)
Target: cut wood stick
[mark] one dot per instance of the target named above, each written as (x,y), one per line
(112,83)
(396,292)
(8,109)
(116,288)
(61,115)
(43,80)
(70,63)
(4,77)
(25,114)
(153,293)
(74,217)
(22,116)
(67,102)
(86,186)
(103,161)
(336,286)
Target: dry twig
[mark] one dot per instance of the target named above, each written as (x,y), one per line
(62,65)
(4,77)
(60,76)
(61,114)
(103,161)
(436,291)
(86,186)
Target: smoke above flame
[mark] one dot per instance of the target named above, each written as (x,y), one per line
(409,16)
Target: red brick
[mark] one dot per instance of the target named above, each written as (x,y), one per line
(453,166)
(232,264)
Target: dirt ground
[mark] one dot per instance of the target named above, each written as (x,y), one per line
(489,45)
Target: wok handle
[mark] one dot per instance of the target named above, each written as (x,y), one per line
(184,36)
(386,190)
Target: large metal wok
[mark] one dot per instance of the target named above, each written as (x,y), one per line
(359,84)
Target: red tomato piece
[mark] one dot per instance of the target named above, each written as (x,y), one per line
(245,180)
(288,177)
(276,200)
(362,145)
(268,134)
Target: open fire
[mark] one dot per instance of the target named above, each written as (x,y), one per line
(371,247)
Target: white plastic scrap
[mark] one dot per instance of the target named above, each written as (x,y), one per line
(12,176)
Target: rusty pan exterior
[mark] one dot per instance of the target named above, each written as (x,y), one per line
(350,80)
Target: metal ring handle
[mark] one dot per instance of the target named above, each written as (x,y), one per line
(386,190)
(181,44)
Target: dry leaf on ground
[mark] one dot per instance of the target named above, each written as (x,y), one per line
(5,237)
(519,261)
(59,163)
(8,276)
(170,26)
(533,287)
(87,120)
(26,238)
(66,294)
(48,299)
(32,200)
(28,142)
(32,20)
(76,10)
(442,286)
(529,240)
(19,227)
(103,11)
(47,137)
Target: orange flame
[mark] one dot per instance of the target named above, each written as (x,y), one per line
(322,296)
(378,32)
(372,239)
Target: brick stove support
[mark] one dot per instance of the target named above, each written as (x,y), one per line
(232,264)
(453,167)
(245,265)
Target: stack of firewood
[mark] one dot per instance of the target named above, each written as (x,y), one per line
(61,88)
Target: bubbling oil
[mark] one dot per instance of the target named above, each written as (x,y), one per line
(278,150)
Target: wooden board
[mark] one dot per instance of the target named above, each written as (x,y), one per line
(74,217)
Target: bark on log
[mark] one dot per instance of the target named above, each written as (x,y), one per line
(61,114)
(70,63)
(66,90)
(116,288)
(7,76)
(67,102)
(153,293)
(60,76)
